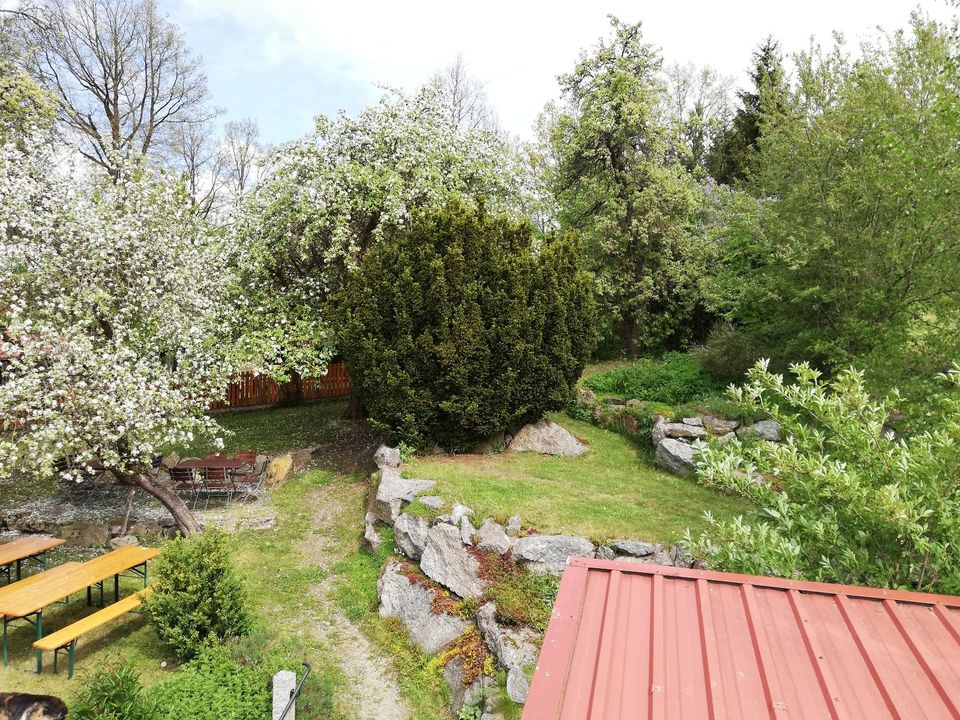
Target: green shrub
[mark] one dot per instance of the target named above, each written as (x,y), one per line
(197,595)
(841,500)
(113,692)
(458,328)
(214,686)
(728,353)
(677,379)
(720,406)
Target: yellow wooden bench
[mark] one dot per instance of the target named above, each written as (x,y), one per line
(66,638)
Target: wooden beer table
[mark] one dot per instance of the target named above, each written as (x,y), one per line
(27,599)
(30,548)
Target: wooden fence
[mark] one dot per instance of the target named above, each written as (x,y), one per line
(252,390)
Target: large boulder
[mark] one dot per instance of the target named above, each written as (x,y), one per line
(122,541)
(447,561)
(462,694)
(549,553)
(675,457)
(719,426)
(393,491)
(679,430)
(764,430)
(279,469)
(412,603)
(23,706)
(387,457)
(411,534)
(633,548)
(547,438)
(512,647)
(371,534)
(492,537)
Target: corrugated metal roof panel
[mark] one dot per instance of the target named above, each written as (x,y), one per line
(636,641)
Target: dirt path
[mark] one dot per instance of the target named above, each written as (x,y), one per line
(374,693)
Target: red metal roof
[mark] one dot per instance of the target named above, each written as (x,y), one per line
(628,640)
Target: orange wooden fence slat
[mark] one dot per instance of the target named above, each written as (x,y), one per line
(250,389)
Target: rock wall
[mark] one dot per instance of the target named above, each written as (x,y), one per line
(441,562)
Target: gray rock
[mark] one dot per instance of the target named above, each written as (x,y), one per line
(518,685)
(634,548)
(680,431)
(764,430)
(467,530)
(301,458)
(393,491)
(146,530)
(719,426)
(432,501)
(694,421)
(586,397)
(412,604)
(459,511)
(614,402)
(605,552)
(85,534)
(170,460)
(680,556)
(633,402)
(549,553)
(493,538)
(387,457)
(122,541)
(727,437)
(446,561)
(547,438)
(257,523)
(411,534)
(167,522)
(513,526)
(512,647)
(462,695)
(371,535)
(25,706)
(675,457)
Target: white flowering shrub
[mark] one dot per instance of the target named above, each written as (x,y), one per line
(840,499)
(115,312)
(329,197)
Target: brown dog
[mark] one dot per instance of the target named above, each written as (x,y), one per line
(21,706)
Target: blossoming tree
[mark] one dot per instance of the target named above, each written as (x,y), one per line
(333,194)
(114,311)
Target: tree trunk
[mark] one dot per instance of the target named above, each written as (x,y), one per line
(167,496)
(355,409)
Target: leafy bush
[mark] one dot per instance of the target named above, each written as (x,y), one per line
(459,327)
(113,692)
(214,686)
(677,379)
(728,353)
(841,500)
(197,595)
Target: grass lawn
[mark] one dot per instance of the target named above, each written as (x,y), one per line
(613,491)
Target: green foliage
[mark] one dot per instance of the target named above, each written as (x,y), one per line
(25,108)
(728,353)
(197,595)
(113,692)
(214,686)
(458,327)
(851,254)
(632,207)
(841,500)
(677,379)
(733,157)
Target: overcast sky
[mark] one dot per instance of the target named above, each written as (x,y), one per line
(284,61)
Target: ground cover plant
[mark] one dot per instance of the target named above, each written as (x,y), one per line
(612,492)
(677,379)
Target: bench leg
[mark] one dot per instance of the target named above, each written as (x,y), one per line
(56,652)
(89,596)
(70,653)
(39,635)
(6,641)
(19,569)
(116,587)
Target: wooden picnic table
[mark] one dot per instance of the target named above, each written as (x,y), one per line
(27,601)
(18,551)
(216,463)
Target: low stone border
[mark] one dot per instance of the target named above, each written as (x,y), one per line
(442,554)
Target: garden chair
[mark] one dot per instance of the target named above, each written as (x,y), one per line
(186,480)
(250,485)
(217,481)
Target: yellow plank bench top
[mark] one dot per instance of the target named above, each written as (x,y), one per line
(41,593)
(87,624)
(54,572)
(25,547)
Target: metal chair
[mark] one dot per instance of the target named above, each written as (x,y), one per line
(186,480)
(217,481)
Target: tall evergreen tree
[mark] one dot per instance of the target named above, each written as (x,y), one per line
(732,157)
